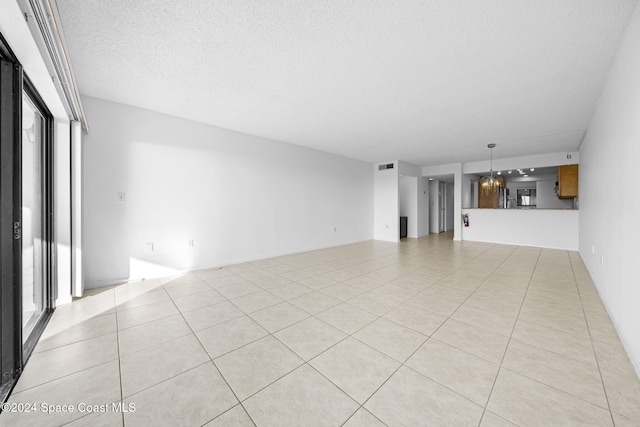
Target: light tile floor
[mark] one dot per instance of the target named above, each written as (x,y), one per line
(425,332)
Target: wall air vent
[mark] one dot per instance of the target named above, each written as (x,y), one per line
(387,166)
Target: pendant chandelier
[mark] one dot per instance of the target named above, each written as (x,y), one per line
(490,184)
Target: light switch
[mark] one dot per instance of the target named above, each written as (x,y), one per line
(149,247)
(121,197)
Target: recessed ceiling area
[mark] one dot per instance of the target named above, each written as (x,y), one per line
(531,173)
(523,173)
(426,82)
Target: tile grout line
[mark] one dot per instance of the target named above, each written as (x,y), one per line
(119,367)
(119,362)
(389,268)
(403,364)
(595,356)
(509,340)
(272,334)
(44,352)
(563,356)
(534,379)
(110,288)
(307,362)
(75,372)
(469,296)
(215,366)
(156,345)
(556,353)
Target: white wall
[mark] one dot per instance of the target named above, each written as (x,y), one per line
(609,209)
(547,198)
(466,182)
(423,206)
(239,197)
(527,227)
(386,216)
(408,193)
(476,194)
(408,169)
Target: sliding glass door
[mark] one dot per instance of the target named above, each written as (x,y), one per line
(34,213)
(26,219)
(10,232)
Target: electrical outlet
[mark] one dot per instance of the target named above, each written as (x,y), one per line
(121,197)
(191,243)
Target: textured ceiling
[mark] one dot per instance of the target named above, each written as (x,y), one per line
(424,81)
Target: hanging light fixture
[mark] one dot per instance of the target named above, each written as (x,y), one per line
(491,183)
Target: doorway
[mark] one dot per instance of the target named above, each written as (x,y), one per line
(442,218)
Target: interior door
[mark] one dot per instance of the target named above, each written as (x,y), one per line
(441,202)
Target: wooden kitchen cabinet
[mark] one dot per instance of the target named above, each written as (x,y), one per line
(567,181)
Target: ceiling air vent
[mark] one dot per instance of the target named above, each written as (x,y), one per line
(387,166)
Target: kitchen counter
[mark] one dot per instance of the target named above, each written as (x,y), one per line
(548,228)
